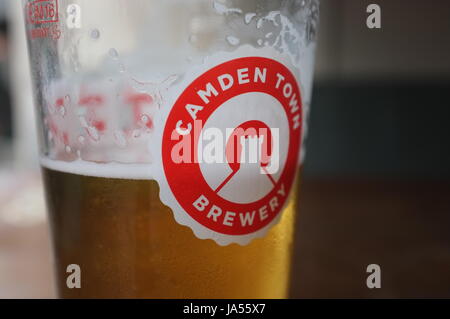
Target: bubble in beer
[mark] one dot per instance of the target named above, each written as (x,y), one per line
(95,34)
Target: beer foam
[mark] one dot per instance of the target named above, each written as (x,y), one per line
(105,170)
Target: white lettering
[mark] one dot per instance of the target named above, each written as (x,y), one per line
(205,94)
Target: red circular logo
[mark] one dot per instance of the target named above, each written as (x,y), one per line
(255,84)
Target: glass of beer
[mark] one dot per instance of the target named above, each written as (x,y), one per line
(171,138)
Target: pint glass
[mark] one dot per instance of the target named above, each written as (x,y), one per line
(171,136)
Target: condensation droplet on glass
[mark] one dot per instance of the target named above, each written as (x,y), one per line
(268,35)
(93,133)
(78,153)
(223,9)
(193,39)
(81,112)
(259,23)
(145,119)
(95,34)
(81,139)
(51,109)
(120,139)
(136,133)
(68,149)
(260,41)
(121,68)
(271,16)
(113,53)
(233,40)
(62,111)
(67,99)
(50,135)
(248,17)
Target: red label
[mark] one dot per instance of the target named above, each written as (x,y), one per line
(42,11)
(244,76)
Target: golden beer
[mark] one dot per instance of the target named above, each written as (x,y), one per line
(128,245)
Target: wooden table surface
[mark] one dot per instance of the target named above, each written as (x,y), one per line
(343,226)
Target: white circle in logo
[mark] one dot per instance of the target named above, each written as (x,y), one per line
(250,183)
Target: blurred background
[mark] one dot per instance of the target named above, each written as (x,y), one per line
(376,181)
